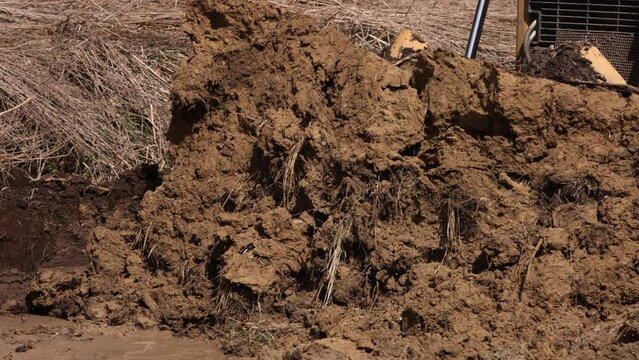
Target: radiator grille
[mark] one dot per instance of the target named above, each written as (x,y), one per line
(586,15)
(611,25)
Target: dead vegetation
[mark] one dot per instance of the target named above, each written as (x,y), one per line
(84,85)
(288,174)
(457,220)
(343,229)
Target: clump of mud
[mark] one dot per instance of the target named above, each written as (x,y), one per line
(562,63)
(326,203)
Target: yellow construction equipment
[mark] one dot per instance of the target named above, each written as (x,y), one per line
(609,28)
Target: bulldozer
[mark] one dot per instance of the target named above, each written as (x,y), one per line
(608,30)
(609,27)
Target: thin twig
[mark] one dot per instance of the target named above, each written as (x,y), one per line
(17,106)
(528,267)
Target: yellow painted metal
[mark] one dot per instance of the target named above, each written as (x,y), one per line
(523,20)
(405,40)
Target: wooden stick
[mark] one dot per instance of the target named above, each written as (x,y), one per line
(534,255)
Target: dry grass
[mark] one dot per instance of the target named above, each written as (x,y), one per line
(457,221)
(260,332)
(84,84)
(450,229)
(288,174)
(441,23)
(343,230)
(526,274)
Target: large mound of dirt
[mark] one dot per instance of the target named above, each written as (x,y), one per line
(326,203)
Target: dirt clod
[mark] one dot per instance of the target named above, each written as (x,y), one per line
(24,348)
(46,224)
(563,63)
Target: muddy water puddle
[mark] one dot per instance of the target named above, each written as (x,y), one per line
(33,337)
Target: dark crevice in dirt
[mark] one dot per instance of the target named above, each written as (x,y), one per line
(218,20)
(435,255)
(480,125)
(430,129)
(459,214)
(565,189)
(303,203)
(481,264)
(320,218)
(184,118)
(412,323)
(328,88)
(260,167)
(306,117)
(411,150)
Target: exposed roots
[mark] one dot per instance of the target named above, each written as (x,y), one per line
(288,174)
(450,229)
(149,250)
(524,276)
(260,332)
(343,230)
(221,299)
(457,220)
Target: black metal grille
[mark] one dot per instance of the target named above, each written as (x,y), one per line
(586,15)
(611,25)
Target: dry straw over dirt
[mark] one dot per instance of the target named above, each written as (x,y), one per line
(85,84)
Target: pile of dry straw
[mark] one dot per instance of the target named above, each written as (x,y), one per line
(84,84)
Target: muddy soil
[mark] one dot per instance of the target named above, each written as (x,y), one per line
(46,224)
(39,338)
(562,63)
(326,204)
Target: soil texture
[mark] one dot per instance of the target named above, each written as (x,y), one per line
(38,338)
(563,63)
(325,204)
(46,223)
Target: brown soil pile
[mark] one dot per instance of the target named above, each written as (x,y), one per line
(330,205)
(563,63)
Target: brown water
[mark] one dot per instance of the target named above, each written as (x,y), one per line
(33,337)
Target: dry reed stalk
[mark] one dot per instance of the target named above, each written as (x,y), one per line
(343,230)
(451,230)
(526,274)
(288,174)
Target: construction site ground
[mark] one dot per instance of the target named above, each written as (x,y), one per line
(321,202)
